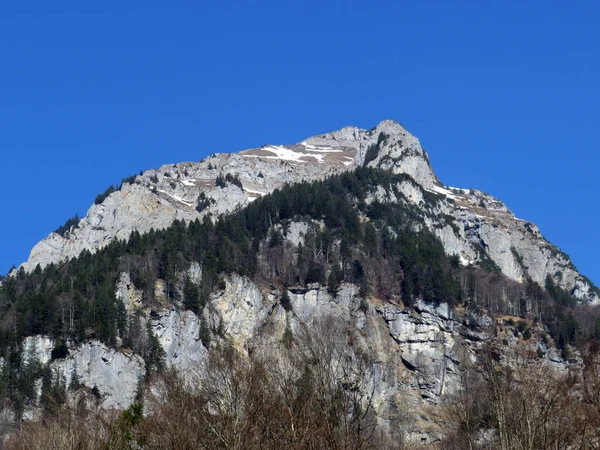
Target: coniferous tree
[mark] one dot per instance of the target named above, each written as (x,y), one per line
(75,381)
(191,296)
(155,354)
(285,301)
(334,280)
(204,332)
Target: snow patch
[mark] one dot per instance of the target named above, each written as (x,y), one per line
(450,192)
(464,261)
(286,154)
(443,191)
(462,191)
(189,182)
(280,153)
(321,148)
(253,192)
(175,197)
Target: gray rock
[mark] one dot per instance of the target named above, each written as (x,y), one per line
(178,333)
(115,374)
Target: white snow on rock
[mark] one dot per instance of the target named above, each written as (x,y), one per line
(443,191)
(321,148)
(280,152)
(254,192)
(175,197)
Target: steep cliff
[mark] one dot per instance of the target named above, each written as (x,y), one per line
(408,359)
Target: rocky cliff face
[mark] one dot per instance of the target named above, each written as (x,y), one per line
(415,355)
(470,223)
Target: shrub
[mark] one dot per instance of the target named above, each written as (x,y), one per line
(363,306)
(60,350)
(220,181)
(128,180)
(96,392)
(101,197)
(203,202)
(233,179)
(73,222)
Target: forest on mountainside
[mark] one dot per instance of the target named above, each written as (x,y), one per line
(352,236)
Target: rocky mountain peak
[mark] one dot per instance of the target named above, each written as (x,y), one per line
(357,137)
(471,224)
(386,286)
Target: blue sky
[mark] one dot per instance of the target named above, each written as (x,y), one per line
(503,95)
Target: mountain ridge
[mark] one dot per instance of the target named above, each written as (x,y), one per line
(187,191)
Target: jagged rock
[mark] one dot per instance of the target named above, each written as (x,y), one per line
(115,374)
(296,232)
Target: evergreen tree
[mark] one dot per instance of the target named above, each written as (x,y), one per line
(334,281)
(191,296)
(204,332)
(285,301)
(75,381)
(155,354)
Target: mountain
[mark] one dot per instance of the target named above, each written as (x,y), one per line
(332,293)
(471,224)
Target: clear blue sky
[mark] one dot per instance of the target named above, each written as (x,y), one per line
(503,95)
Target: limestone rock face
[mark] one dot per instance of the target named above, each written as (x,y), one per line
(415,354)
(480,227)
(178,333)
(115,374)
(483,227)
(240,310)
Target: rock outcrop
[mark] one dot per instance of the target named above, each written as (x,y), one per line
(114,375)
